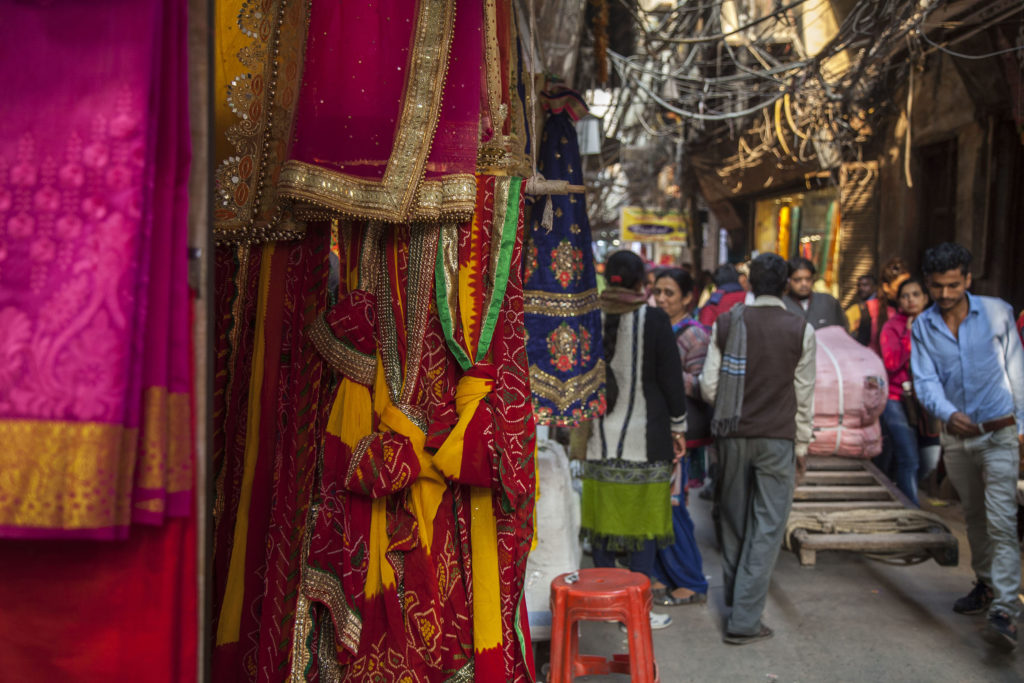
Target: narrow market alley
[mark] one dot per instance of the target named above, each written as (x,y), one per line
(848,619)
(379,341)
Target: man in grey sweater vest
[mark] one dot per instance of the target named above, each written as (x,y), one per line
(759,374)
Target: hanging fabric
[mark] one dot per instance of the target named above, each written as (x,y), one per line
(563,320)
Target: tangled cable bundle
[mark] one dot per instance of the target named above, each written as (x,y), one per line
(703,80)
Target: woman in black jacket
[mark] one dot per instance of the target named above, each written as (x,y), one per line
(626,476)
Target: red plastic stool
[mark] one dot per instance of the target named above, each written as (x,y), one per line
(601,595)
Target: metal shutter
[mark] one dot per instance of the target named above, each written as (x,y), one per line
(858,225)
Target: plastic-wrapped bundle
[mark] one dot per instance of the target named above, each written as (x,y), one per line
(849,395)
(558,530)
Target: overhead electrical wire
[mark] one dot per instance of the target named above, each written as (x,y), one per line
(732,96)
(770,97)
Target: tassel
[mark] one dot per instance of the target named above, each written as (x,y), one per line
(547,219)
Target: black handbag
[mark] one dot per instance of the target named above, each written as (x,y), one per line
(698,419)
(917,416)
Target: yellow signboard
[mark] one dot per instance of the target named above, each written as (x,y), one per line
(640,225)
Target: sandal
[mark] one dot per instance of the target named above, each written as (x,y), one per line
(740,639)
(664,598)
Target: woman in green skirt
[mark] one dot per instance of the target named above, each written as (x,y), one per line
(627,473)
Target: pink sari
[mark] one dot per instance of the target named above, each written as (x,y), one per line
(388,118)
(95,353)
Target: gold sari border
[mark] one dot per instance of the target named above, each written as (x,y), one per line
(165,454)
(320,193)
(72,476)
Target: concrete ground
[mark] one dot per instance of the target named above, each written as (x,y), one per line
(847,619)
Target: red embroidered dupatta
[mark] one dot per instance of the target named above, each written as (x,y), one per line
(424,517)
(388,116)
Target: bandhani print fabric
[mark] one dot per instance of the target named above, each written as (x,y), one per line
(562,317)
(271,393)
(374,468)
(414,569)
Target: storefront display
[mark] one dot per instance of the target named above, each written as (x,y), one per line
(802,224)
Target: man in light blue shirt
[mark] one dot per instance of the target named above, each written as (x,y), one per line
(968,370)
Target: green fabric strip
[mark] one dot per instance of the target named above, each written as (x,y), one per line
(523,644)
(444,311)
(626,514)
(508,243)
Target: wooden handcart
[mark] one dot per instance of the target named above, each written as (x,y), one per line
(848,504)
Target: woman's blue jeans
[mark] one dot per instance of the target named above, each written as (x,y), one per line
(639,560)
(904,448)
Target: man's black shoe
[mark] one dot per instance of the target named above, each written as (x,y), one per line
(1001,630)
(975,602)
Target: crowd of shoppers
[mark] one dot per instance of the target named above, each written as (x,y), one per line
(739,381)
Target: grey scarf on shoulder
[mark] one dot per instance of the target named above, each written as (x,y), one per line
(731,377)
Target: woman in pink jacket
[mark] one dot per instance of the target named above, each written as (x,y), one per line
(894,340)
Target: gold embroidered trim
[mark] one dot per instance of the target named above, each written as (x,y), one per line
(402,195)
(423,238)
(493,154)
(463,675)
(560,305)
(327,655)
(357,366)
(371,256)
(300,636)
(492,67)
(326,589)
(502,189)
(66,475)
(321,192)
(303,624)
(564,394)
(492,160)
(265,51)
(388,326)
(449,263)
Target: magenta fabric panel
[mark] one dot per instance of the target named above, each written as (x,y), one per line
(94,302)
(73,153)
(165,353)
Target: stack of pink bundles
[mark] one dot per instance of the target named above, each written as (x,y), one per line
(849,395)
